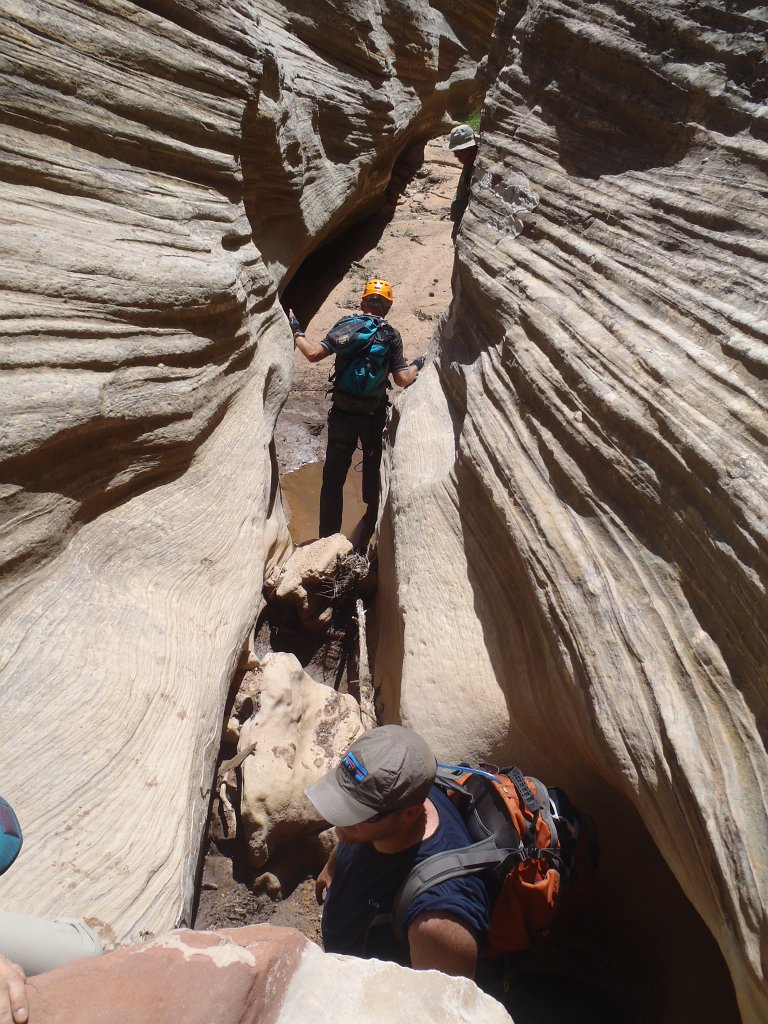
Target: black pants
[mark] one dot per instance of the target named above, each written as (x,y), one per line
(345,430)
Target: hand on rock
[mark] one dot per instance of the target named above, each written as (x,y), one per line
(418,362)
(293,320)
(14,1008)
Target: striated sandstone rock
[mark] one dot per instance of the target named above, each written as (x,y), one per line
(300,730)
(256,975)
(574,550)
(162,167)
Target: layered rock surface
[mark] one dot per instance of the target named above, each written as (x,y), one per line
(576,525)
(161,170)
(573,553)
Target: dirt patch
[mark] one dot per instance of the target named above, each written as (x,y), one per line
(227,903)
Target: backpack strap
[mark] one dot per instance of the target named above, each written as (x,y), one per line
(441,867)
(478,857)
(524,791)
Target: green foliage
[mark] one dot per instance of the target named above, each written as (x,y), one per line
(474,120)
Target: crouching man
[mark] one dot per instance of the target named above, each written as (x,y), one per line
(389,816)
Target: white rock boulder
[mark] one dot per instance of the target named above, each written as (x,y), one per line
(301,729)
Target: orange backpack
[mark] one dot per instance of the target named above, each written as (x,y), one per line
(530,844)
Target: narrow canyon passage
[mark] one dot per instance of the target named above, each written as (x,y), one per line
(408,243)
(578,973)
(571,568)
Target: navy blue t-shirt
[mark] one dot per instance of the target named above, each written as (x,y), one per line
(365,883)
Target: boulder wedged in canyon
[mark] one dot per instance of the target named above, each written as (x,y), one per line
(256,975)
(302,582)
(573,557)
(300,731)
(160,170)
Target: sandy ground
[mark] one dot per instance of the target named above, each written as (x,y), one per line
(408,244)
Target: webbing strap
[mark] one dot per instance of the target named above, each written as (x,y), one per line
(523,791)
(440,867)
(448,781)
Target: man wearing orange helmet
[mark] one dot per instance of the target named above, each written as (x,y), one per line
(358,416)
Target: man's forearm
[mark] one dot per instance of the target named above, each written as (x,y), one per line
(312,350)
(325,877)
(405,377)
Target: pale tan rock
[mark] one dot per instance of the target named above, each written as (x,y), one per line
(574,548)
(255,975)
(245,700)
(164,171)
(301,730)
(223,820)
(329,989)
(305,581)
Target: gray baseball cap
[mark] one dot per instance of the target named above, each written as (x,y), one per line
(461,137)
(386,769)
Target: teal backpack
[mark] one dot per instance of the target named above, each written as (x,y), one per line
(361,345)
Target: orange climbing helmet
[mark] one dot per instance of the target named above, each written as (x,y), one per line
(378,287)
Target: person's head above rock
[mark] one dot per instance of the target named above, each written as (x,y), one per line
(463,143)
(377,297)
(385,770)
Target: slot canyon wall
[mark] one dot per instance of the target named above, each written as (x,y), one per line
(573,549)
(162,169)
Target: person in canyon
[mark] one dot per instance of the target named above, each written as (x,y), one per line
(14,1007)
(30,945)
(356,419)
(389,816)
(464,143)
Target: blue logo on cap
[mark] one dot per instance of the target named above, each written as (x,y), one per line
(352,768)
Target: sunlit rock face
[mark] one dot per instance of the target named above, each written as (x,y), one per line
(256,975)
(161,168)
(299,732)
(578,509)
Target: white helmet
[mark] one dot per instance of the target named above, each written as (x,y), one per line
(461,137)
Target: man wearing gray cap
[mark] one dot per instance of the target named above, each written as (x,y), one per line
(463,142)
(388,817)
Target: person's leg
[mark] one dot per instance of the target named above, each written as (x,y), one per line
(342,442)
(372,440)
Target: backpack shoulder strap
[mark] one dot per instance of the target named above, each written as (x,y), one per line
(385,333)
(467,860)
(441,867)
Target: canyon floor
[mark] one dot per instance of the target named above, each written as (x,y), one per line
(408,242)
